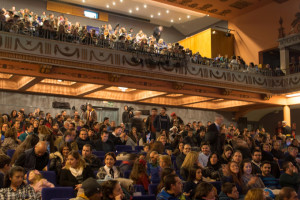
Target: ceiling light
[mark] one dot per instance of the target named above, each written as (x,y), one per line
(207,15)
(113,3)
(214,32)
(179,18)
(188,16)
(158,14)
(167,11)
(83,1)
(107,6)
(172,20)
(151,16)
(137,8)
(293,95)
(121,1)
(123,89)
(145,6)
(130,11)
(59,80)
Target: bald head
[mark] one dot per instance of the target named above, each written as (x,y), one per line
(40,148)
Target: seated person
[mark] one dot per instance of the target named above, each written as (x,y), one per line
(37,182)
(14,186)
(179,159)
(153,166)
(204,155)
(127,162)
(205,191)
(287,193)
(4,167)
(29,131)
(34,158)
(267,178)
(190,161)
(292,156)
(195,177)
(212,168)
(139,173)
(91,160)
(83,139)
(248,179)
(165,172)
(229,192)
(75,172)
(276,151)
(172,189)
(115,136)
(290,177)
(69,137)
(190,138)
(112,190)
(58,159)
(256,162)
(92,190)
(104,144)
(109,168)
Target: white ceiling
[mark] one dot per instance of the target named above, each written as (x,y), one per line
(185,21)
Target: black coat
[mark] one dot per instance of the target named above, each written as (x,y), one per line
(107,146)
(29,161)
(116,140)
(211,136)
(67,179)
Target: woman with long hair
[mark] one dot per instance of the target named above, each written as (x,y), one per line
(134,135)
(190,161)
(75,171)
(232,173)
(226,156)
(194,179)
(205,191)
(13,116)
(213,167)
(10,141)
(139,173)
(165,162)
(255,194)
(28,143)
(58,159)
(112,190)
(248,179)
(14,186)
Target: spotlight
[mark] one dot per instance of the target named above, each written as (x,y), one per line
(158,14)
(167,11)
(145,6)
(130,11)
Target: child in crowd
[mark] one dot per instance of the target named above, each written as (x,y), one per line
(37,182)
(139,173)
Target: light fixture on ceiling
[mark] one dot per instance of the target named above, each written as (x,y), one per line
(158,14)
(145,6)
(293,95)
(59,80)
(121,1)
(113,3)
(188,16)
(179,18)
(83,1)
(214,32)
(107,6)
(167,11)
(137,8)
(151,16)
(172,20)
(123,89)
(207,15)
(130,11)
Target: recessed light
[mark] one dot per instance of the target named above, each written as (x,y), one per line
(107,6)
(59,80)
(158,13)
(179,18)
(207,15)
(172,20)
(151,16)
(137,8)
(145,6)
(188,16)
(167,11)
(130,11)
(113,3)
(83,1)
(121,1)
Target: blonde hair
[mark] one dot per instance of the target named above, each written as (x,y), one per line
(77,156)
(190,159)
(254,194)
(166,159)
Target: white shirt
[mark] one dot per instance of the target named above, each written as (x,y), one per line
(116,171)
(203,159)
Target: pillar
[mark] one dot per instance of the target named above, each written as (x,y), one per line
(284,60)
(287,115)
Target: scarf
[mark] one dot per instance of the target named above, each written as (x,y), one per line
(76,172)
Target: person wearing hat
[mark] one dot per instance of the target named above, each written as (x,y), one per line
(92,190)
(176,120)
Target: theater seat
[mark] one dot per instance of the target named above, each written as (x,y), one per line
(139,148)
(217,185)
(10,152)
(152,189)
(123,148)
(99,153)
(50,176)
(127,173)
(139,188)
(118,162)
(144,197)
(57,192)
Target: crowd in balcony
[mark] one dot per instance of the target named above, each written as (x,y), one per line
(59,27)
(157,157)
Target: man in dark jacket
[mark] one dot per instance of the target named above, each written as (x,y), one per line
(149,123)
(115,136)
(93,161)
(176,120)
(229,192)
(179,159)
(34,158)
(290,177)
(90,115)
(162,122)
(157,32)
(137,122)
(213,133)
(104,144)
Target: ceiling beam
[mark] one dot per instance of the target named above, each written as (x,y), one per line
(144,95)
(191,100)
(53,89)
(86,89)
(27,82)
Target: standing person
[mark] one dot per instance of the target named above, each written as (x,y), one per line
(176,120)
(90,115)
(213,133)
(157,32)
(137,122)
(149,122)
(126,117)
(162,122)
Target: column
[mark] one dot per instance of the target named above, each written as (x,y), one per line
(287,115)
(284,60)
